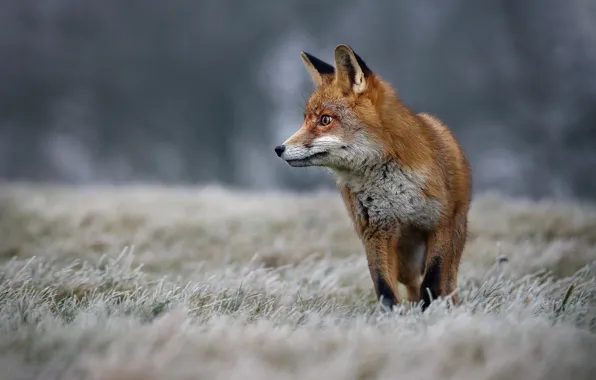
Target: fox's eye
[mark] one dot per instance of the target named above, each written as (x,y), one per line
(326,120)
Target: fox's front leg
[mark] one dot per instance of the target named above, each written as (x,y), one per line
(380,246)
(382,264)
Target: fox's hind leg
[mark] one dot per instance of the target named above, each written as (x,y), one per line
(444,248)
(437,249)
(458,235)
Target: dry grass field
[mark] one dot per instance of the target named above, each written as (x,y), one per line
(149,282)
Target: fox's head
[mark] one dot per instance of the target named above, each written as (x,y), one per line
(340,115)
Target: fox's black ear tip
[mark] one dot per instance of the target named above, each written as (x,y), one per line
(321,66)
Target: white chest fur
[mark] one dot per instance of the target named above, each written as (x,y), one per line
(389,195)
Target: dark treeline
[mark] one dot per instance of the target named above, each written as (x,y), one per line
(201,91)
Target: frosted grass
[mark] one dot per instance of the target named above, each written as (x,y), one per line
(146,282)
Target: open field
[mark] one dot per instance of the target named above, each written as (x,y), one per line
(146,282)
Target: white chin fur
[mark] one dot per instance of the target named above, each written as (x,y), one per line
(300,163)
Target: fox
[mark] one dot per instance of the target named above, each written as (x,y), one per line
(404,179)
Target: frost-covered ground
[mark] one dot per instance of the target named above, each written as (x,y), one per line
(145,282)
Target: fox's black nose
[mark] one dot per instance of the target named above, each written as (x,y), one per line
(280,149)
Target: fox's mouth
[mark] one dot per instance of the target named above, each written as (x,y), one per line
(306,161)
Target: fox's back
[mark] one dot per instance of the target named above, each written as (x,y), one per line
(451,159)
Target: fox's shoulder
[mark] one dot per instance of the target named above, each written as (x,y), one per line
(434,123)
(429,118)
(442,132)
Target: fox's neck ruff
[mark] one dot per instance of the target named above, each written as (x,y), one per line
(389,193)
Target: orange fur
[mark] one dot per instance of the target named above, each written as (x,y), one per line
(414,225)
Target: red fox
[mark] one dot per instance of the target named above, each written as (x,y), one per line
(404,179)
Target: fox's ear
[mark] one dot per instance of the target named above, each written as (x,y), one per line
(316,67)
(351,71)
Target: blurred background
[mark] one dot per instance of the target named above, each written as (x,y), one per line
(193,92)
